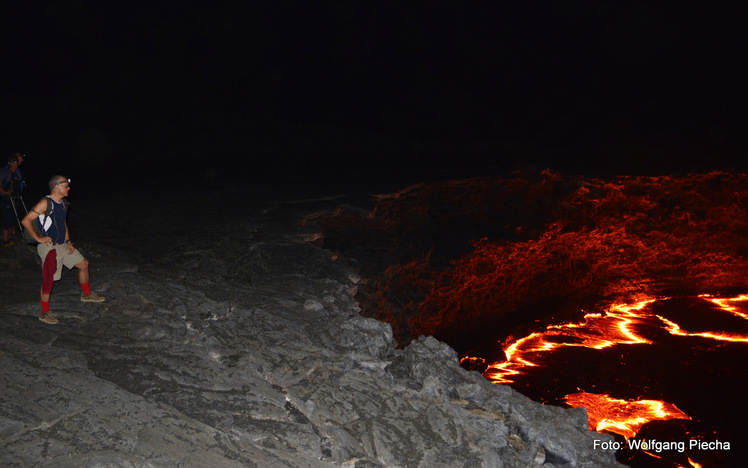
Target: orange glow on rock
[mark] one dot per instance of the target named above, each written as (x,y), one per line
(548,238)
(624,417)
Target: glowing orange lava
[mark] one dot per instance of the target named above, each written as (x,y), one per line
(724,304)
(621,324)
(608,414)
(598,331)
(674,329)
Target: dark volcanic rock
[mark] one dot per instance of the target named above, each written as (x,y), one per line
(240,345)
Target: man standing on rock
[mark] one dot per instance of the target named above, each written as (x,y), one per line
(55,246)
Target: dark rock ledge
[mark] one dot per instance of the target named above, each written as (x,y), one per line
(206,356)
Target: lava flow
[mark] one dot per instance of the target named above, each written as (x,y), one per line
(621,324)
(608,414)
(725,304)
(468,261)
(597,331)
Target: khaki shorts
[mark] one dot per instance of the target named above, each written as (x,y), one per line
(62,257)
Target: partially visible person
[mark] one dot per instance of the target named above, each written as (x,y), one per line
(11,188)
(19,158)
(56,247)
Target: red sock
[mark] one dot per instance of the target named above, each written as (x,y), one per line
(45,307)
(86,289)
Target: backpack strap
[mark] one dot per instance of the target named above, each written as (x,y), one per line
(51,209)
(51,206)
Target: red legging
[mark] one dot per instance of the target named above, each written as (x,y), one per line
(48,271)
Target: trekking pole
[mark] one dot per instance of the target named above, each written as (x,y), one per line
(24,205)
(18,220)
(25,212)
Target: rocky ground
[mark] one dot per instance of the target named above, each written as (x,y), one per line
(227,339)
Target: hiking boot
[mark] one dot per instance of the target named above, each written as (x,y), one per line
(48,317)
(93,297)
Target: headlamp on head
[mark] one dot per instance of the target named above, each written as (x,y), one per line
(62,181)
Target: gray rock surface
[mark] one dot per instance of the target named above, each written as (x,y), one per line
(241,345)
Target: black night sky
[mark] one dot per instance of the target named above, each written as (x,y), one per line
(161,91)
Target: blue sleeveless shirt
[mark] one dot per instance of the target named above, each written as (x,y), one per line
(55,228)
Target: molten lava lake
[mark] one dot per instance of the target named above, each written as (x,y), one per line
(577,291)
(667,370)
